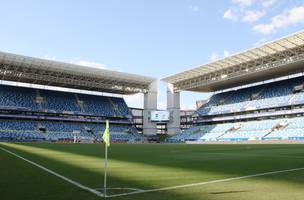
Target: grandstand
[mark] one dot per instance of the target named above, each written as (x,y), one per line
(35,114)
(258,94)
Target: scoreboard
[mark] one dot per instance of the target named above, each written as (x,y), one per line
(158,116)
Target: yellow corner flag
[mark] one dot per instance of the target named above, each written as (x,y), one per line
(106,134)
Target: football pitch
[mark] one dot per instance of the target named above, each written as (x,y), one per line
(152,171)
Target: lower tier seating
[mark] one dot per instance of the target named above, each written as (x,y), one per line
(16,130)
(284,128)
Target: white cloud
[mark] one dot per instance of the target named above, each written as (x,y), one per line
(135,101)
(248,11)
(77,61)
(226,53)
(194,8)
(214,57)
(252,16)
(231,15)
(285,19)
(264,28)
(48,57)
(244,3)
(268,3)
(262,41)
(88,63)
(250,3)
(188,107)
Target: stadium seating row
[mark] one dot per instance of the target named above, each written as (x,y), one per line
(13,130)
(285,128)
(30,99)
(54,101)
(273,94)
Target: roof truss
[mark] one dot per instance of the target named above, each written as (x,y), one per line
(287,50)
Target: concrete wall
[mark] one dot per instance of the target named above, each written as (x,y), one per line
(173,106)
(150,104)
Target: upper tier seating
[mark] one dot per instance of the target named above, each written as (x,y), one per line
(273,94)
(54,101)
(59,101)
(280,93)
(18,97)
(30,99)
(120,106)
(97,105)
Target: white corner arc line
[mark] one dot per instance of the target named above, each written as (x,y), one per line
(121,188)
(207,182)
(79,185)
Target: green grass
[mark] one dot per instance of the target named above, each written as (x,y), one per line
(148,166)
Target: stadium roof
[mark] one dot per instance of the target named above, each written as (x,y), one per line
(53,73)
(271,60)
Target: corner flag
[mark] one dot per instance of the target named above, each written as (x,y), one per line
(106,134)
(106,139)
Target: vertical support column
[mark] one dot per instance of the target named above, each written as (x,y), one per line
(150,104)
(173,106)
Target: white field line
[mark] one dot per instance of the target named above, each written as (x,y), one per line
(149,190)
(252,155)
(207,182)
(121,188)
(79,185)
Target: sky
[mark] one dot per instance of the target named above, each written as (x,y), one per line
(155,38)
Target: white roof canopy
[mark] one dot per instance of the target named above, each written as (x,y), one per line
(53,73)
(218,75)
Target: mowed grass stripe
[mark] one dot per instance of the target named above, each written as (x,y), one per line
(146,176)
(79,185)
(151,167)
(209,182)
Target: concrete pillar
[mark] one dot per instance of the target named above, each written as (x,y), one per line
(150,104)
(173,106)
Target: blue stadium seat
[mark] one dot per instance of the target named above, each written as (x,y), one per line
(278,93)
(285,128)
(54,130)
(28,99)
(59,102)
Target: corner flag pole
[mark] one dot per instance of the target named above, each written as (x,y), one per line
(105,171)
(106,139)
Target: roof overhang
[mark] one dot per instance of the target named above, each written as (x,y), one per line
(53,73)
(271,60)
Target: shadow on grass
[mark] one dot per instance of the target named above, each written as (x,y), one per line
(232,160)
(86,177)
(194,157)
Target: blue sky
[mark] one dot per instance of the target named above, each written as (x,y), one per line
(154,38)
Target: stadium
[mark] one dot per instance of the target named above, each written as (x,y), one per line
(244,142)
(259,98)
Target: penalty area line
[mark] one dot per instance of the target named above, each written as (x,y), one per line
(77,184)
(206,182)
